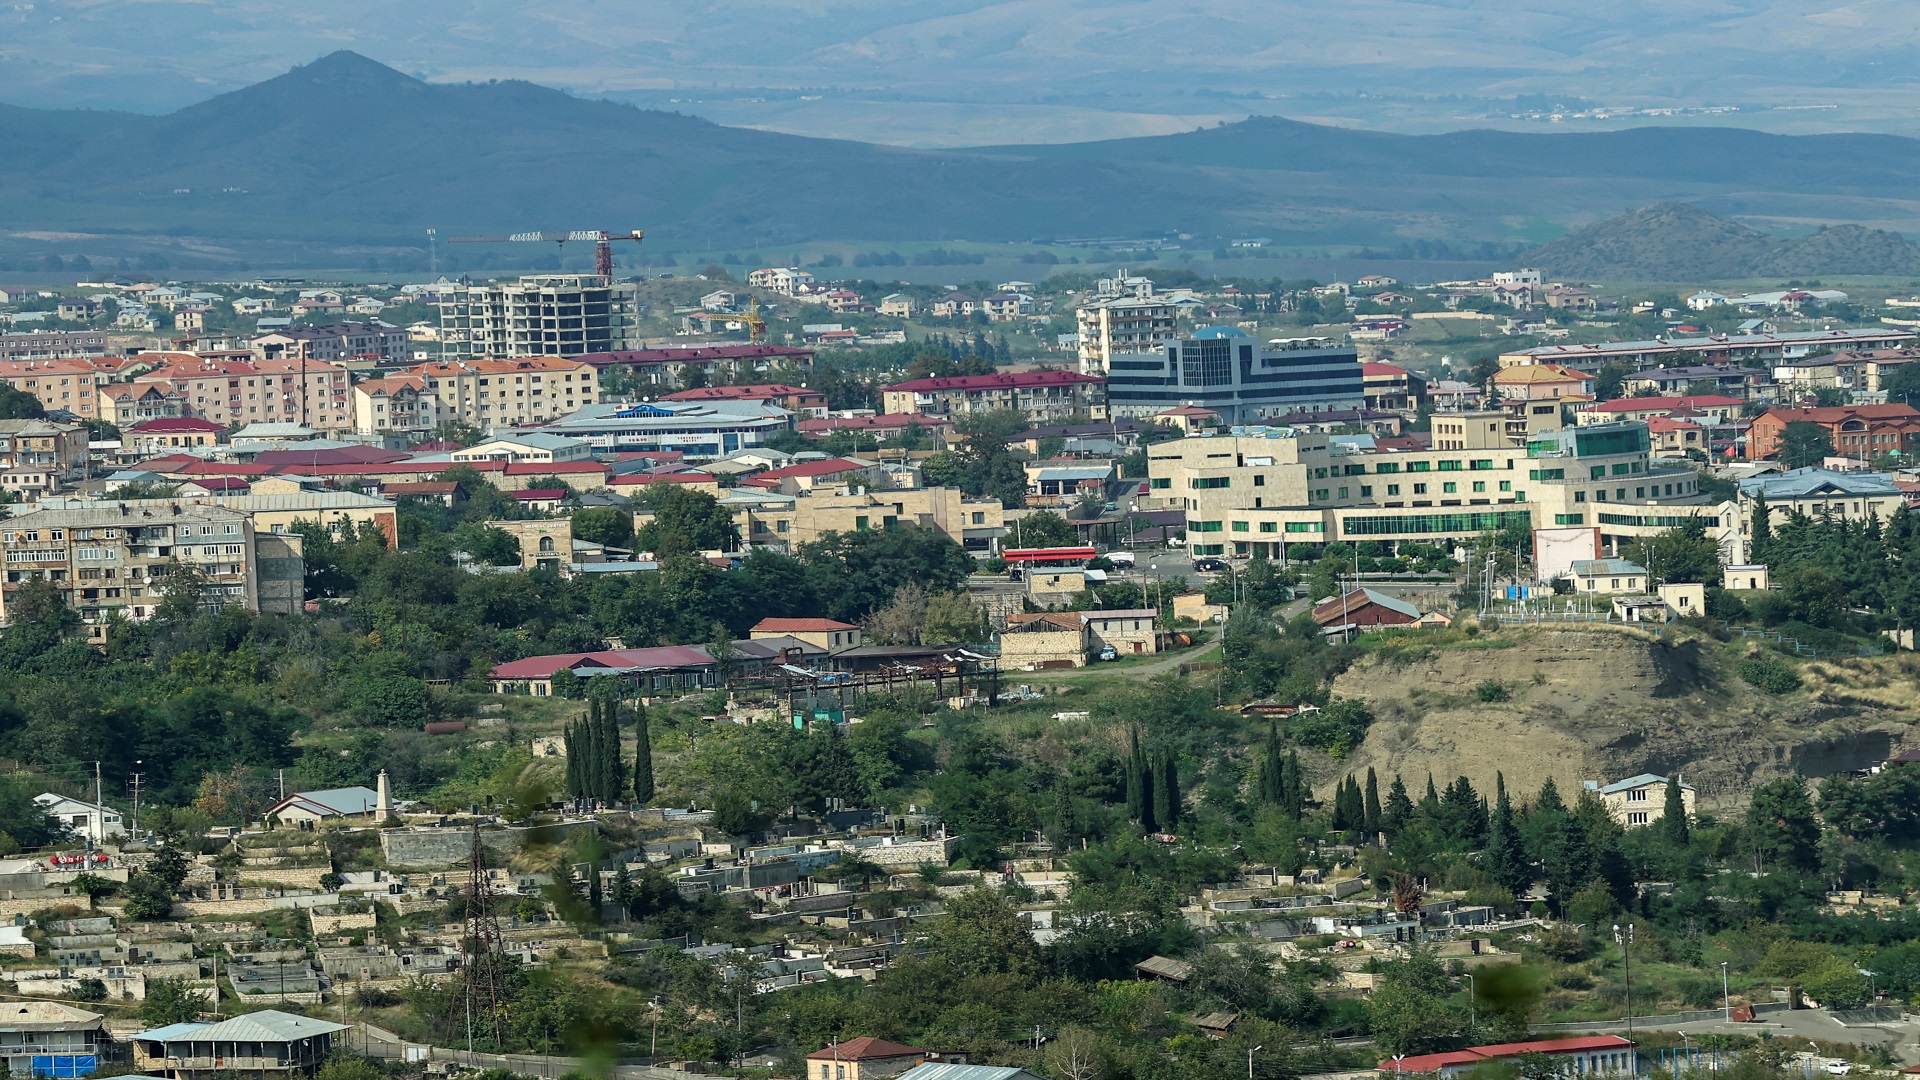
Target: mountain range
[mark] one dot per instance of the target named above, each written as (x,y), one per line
(347,152)
(1439,58)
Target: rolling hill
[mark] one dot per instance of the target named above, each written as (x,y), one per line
(346,152)
(1676,242)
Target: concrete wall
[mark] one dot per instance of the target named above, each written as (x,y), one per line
(424,847)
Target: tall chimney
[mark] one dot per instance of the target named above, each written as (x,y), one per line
(383,800)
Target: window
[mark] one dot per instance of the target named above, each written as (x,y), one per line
(1506,485)
(1204,526)
(1479,485)
(1449,488)
(1241,526)
(1393,489)
(1259,480)
(1204,482)
(1366,491)
(1638,817)
(1269,526)
(1637,795)
(1387,467)
(1569,519)
(1160,483)
(1419,489)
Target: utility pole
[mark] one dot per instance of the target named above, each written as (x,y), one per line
(136,801)
(1624,938)
(1250,1054)
(98,799)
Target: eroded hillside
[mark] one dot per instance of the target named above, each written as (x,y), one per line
(1605,703)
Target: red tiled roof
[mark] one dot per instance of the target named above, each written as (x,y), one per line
(1427,1063)
(335,455)
(667,656)
(883,422)
(548,468)
(1372,367)
(1835,414)
(642,479)
(865,1048)
(1002,381)
(795,626)
(1650,404)
(221,483)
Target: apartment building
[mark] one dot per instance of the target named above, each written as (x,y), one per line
(402,405)
(59,448)
(152,438)
(53,345)
(785,280)
(1111,325)
(509,392)
(1862,432)
(797,400)
(781,522)
(1041,395)
(550,315)
(1251,494)
(336,342)
(237,392)
(107,557)
(1241,380)
(72,385)
(126,404)
(718,364)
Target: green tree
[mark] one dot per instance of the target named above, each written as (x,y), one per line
(607,525)
(642,756)
(983,934)
(1506,860)
(1673,818)
(1760,535)
(19,405)
(1681,555)
(685,520)
(1803,443)
(1044,528)
(1781,825)
(488,545)
(172,1001)
(148,898)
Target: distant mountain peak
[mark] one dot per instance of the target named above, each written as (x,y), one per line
(1673,241)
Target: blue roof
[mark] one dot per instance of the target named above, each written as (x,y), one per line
(1215,333)
(172,1031)
(1813,480)
(1592,567)
(934,1070)
(1631,782)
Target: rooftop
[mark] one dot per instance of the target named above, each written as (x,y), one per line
(1000,381)
(865,1048)
(1814,480)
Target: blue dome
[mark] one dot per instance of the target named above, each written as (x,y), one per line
(1215,333)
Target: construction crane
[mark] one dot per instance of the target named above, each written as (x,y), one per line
(602,243)
(756,326)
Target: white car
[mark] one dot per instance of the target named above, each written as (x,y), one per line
(1838,1068)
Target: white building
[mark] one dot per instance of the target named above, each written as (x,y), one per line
(785,280)
(95,822)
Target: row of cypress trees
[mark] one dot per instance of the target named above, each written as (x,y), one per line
(595,768)
(1153,787)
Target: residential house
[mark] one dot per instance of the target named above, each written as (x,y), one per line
(57,448)
(1128,631)
(545,543)
(125,404)
(1820,492)
(897,305)
(153,438)
(808,476)
(402,405)
(781,522)
(1863,432)
(826,634)
(1006,306)
(46,1038)
(667,667)
(97,823)
(1391,388)
(954,305)
(1609,577)
(785,280)
(1709,406)
(1040,640)
(1639,800)
(1536,381)
(1568,298)
(263,1042)
(329,804)
(1188,418)
(865,1058)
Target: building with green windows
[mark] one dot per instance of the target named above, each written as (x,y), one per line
(1254,491)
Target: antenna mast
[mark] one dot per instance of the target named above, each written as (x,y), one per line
(483,970)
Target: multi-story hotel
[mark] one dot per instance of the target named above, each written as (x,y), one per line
(1249,494)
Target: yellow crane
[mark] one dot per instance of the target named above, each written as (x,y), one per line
(756,326)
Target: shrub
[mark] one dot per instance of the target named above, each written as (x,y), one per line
(1492,690)
(1769,675)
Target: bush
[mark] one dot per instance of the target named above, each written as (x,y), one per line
(1491,691)
(1769,674)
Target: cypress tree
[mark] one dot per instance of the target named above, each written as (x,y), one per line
(1398,809)
(1549,801)
(642,757)
(1356,804)
(1166,793)
(1370,809)
(1430,802)
(1505,861)
(1760,536)
(612,766)
(1136,782)
(1340,822)
(1674,817)
(1295,794)
(571,742)
(1272,768)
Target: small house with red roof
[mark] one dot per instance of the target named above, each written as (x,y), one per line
(807,476)
(170,433)
(1188,418)
(1390,387)
(1583,1055)
(828,634)
(868,1058)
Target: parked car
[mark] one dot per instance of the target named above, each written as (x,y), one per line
(1838,1068)
(1120,558)
(1109,653)
(1014,574)
(1209,566)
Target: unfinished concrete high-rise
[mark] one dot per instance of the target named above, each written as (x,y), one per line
(545,315)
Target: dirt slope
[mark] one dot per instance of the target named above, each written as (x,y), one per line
(1603,704)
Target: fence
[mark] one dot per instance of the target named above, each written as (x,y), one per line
(1799,648)
(1663,1018)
